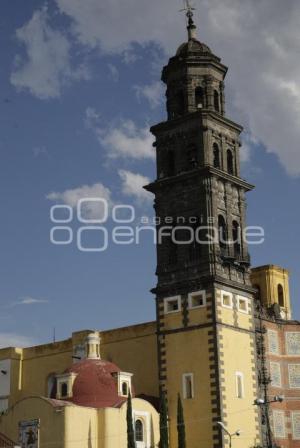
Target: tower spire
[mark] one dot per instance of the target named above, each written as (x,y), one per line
(191,27)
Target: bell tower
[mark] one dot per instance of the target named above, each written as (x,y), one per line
(204,298)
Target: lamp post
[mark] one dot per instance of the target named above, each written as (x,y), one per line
(264,405)
(237,433)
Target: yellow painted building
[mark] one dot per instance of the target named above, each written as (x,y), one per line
(203,345)
(64,395)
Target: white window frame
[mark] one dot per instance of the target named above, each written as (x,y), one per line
(282,436)
(172,299)
(289,371)
(241,376)
(68,379)
(229,294)
(124,377)
(146,419)
(277,364)
(184,390)
(294,413)
(196,293)
(243,299)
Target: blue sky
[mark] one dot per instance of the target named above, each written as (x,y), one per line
(77,99)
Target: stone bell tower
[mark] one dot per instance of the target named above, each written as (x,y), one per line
(204,297)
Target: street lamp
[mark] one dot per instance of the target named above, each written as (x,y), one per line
(237,433)
(263,403)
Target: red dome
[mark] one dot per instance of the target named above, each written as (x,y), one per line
(95,384)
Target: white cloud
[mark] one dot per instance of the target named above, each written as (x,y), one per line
(132,185)
(15,340)
(114,72)
(47,66)
(128,141)
(154,93)
(91,209)
(29,301)
(258,40)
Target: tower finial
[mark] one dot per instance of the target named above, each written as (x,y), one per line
(189,14)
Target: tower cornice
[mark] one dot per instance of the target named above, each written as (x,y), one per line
(198,173)
(203,115)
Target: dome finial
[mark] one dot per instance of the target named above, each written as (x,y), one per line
(189,14)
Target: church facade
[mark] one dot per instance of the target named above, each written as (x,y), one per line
(223,339)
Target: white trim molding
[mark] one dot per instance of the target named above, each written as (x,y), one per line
(167,304)
(194,295)
(189,376)
(239,385)
(244,300)
(229,296)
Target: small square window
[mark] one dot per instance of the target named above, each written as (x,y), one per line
(172,305)
(197,299)
(188,386)
(243,304)
(226,299)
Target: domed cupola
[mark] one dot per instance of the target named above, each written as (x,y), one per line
(93,382)
(194,77)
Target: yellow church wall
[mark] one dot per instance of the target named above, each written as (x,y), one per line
(32,408)
(237,356)
(197,316)
(70,426)
(113,424)
(133,349)
(173,321)
(81,427)
(188,352)
(268,278)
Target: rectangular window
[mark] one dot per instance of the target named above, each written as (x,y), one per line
(296,425)
(243,304)
(275,372)
(273,342)
(239,377)
(279,424)
(188,386)
(172,305)
(294,376)
(226,299)
(197,299)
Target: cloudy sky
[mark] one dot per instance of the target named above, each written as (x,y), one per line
(80,87)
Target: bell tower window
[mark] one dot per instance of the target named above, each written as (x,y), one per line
(222,232)
(230,167)
(280,295)
(216,154)
(236,238)
(192,156)
(217,101)
(199,97)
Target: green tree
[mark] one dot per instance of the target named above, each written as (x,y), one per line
(163,422)
(180,425)
(130,430)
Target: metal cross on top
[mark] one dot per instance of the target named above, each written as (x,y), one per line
(189,9)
